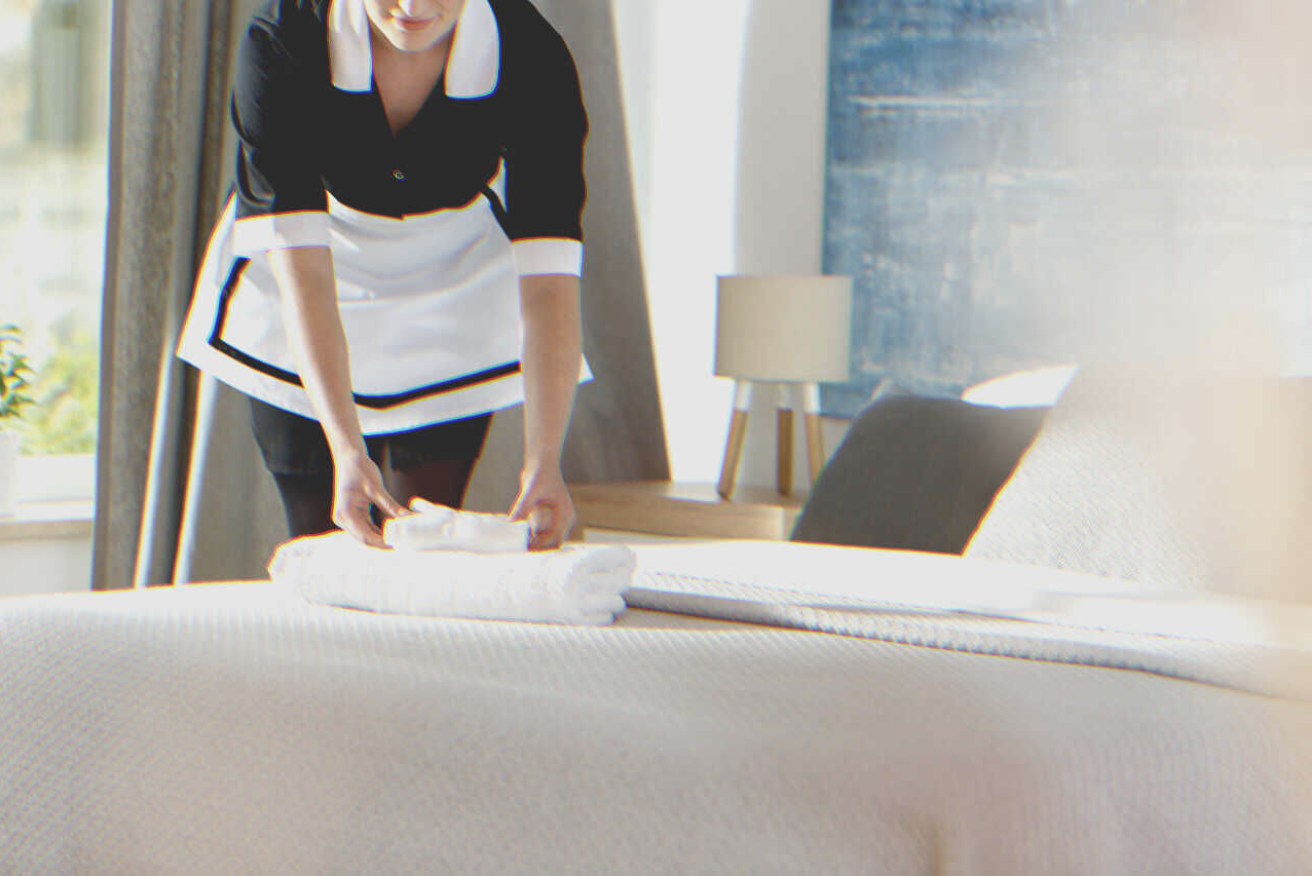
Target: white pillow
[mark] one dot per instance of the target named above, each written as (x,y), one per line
(1179,483)
(1040,387)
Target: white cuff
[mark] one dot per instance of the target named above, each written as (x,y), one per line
(255,234)
(548,255)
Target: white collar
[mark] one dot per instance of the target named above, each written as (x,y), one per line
(472,69)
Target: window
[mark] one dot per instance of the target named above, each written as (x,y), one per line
(53,124)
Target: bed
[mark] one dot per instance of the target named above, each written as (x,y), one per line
(760,708)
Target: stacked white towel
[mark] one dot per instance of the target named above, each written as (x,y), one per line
(577,584)
(437,527)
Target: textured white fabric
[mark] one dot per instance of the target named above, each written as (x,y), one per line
(574,585)
(982,607)
(1182,483)
(437,527)
(239,729)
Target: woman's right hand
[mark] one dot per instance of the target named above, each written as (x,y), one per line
(358,484)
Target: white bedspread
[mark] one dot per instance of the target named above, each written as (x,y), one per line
(236,729)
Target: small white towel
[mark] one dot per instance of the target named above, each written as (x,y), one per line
(437,527)
(577,584)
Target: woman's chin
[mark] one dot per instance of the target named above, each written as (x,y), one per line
(416,37)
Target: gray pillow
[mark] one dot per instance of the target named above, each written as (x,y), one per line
(915,473)
(1182,483)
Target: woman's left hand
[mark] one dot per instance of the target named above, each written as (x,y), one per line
(544,501)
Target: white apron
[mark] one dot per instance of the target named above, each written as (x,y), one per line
(429,305)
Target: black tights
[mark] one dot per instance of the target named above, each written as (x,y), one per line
(308,499)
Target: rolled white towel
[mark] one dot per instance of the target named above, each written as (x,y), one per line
(577,584)
(437,527)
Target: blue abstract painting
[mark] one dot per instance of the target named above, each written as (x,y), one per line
(1011,183)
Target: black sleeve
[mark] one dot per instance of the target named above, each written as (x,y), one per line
(280,192)
(545,189)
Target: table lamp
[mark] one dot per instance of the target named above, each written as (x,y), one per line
(793,331)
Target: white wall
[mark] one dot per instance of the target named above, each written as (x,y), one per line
(782,115)
(726,104)
(32,565)
(46,547)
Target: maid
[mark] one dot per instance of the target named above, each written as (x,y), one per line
(401,253)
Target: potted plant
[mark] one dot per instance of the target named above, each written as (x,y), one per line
(15,378)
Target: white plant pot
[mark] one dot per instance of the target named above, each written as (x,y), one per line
(9,442)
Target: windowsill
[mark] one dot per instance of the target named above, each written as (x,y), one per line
(46,520)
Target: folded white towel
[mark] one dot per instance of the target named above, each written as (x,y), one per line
(577,584)
(437,527)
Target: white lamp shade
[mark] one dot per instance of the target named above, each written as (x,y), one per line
(787,329)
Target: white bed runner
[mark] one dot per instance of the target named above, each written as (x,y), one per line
(984,607)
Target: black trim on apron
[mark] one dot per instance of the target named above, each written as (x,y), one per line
(374,402)
(499,211)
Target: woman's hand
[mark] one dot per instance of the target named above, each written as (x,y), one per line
(308,284)
(357,484)
(544,501)
(549,305)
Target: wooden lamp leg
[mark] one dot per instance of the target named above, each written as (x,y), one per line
(815,441)
(784,445)
(733,449)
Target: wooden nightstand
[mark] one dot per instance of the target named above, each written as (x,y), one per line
(661,510)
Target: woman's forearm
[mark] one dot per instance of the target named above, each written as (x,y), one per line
(314,331)
(549,307)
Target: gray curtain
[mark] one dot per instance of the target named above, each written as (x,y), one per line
(187,498)
(231,518)
(168,66)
